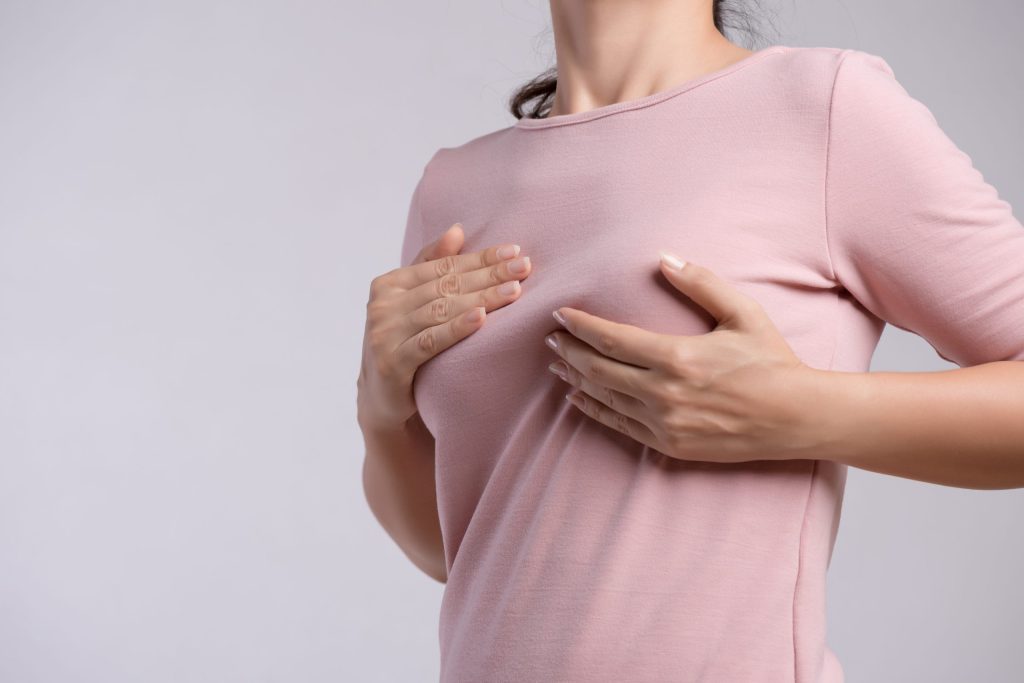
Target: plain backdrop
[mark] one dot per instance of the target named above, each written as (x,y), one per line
(194,197)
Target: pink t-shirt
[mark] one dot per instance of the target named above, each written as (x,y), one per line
(806,177)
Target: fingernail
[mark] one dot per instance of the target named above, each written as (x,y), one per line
(508,251)
(558,316)
(476,314)
(519,265)
(673,262)
(558,367)
(508,288)
(551,341)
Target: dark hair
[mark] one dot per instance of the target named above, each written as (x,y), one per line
(541,89)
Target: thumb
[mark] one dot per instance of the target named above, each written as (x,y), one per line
(450,242)
(722,300)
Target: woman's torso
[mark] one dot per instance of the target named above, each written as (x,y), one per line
(574,552)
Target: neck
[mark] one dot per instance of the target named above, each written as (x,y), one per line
(609,51)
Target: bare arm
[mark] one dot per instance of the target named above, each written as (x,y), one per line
(398,481)
(919,237)
(962,427)
(413,313)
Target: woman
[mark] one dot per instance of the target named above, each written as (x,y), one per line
(675,520)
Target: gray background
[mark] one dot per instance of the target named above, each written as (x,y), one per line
(194,197)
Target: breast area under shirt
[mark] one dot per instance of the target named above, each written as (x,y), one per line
(806,177)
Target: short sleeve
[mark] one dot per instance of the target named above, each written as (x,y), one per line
(914,231)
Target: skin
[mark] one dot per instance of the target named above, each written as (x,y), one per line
(417,311)
(738,393)
(414,313)
(735,394)
(609,51)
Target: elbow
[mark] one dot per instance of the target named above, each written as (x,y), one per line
(432,564)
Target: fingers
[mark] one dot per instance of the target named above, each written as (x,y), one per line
(444,308)
(585,362)
(610,417)
(437,295)
(627,343)
(456,283)
(727,304)
(448,242)
(420,272)
(613,398)
(442,303)
(432,340)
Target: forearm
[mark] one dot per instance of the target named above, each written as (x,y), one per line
(962,427)
(398,481)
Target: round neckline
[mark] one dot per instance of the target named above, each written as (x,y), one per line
(647,100)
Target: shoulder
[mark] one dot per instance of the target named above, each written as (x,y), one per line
(816,70)
(452,164)
(804,76)
(867,98)
(450,170)
(812,60)
(472,148)
(858,91)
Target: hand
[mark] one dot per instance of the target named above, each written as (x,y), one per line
(417,311)
(731,395)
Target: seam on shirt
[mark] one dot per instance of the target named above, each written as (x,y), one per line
(836,318)
(828,138)
(831,362)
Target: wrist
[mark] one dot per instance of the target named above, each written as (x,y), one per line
(831,405)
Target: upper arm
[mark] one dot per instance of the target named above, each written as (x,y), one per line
(915,232)
(416,234)
(412,239)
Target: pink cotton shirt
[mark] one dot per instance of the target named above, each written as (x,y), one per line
(806,177)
